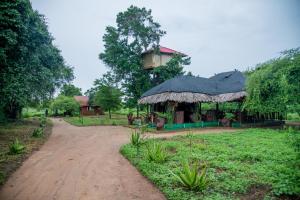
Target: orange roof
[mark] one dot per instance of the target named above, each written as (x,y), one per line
(166,50)
(82,100)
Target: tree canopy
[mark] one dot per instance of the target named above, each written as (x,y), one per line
(108,98)
(136,32)
(70,90)
(274,86)
(31,66)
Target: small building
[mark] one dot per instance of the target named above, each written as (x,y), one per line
(158,57)
(86,108)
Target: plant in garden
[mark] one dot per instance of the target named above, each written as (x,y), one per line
(193,176)
(38,132)
(16,147)
(190,136)
(136,139)
(156,152)
(43,121)
(67,105)
(229,116)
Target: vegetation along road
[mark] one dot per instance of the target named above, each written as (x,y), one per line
(80,163)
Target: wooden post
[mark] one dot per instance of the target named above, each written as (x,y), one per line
(217,110)
(200,111)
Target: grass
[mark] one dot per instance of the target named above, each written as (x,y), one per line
(117,119)
(21,131)
(249,164)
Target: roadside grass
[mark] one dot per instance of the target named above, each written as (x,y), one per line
(248,164)
(117,119)
(22,131)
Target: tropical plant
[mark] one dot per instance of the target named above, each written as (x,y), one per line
(229,116)
(192,177)
(16,147)
(156,152)
(136,138)
(38,132)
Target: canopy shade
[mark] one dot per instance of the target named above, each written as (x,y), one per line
(226,86)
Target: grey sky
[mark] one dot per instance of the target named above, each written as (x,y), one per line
(218,35)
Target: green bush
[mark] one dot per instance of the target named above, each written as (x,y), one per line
(156,153)
(16,147)
(38,132)
(192,177)
(66,105)
(43,121)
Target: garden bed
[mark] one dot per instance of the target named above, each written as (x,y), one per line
(249,164)
(22,130)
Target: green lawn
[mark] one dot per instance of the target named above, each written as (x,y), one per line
(117,119)
(22,130)
(250,164)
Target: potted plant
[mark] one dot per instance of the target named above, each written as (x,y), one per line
(228,119)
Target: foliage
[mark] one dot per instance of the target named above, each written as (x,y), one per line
(67,105)
(70,90)
(31,66)
(108,98)
(99,120)
(229,116)
(191,178)
(235,163)
(274,86)
(136,31)
(136,139)
(156,153)
(16,147)
(38,132)
(43,121)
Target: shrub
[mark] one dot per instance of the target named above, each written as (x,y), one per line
(192,177)
(43,121)
(156,153)
(38,132)
(114,123)
(229,116)
(67,105)
(16,147)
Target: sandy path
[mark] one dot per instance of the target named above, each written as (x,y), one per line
(81,163)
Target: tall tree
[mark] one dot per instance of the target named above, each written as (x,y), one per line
(135,33)
(70,90)
(31,66)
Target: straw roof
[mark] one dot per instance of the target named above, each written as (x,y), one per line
(223,87)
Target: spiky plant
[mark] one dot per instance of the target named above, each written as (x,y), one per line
(16,147)
(192,177)
(156,153)
(135,138)
(38,132)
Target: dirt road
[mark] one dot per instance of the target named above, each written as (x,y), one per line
(80,163)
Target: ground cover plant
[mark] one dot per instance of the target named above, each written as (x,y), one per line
(17,142)
(116,119)
(248,164)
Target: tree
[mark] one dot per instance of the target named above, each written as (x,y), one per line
(108,98)
(274,86)
(67,105)
(136,31)
(70,90)
(31,67)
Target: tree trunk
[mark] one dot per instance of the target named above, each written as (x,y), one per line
(109,113)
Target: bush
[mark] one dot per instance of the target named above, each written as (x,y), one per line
(67,105)
(191,178)
(43,121)
(156,153)
(16,147)
(38,132)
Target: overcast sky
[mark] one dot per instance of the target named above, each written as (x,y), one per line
(217,35)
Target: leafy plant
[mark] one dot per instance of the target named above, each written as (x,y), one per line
(229,116)
(16,147)
(43,121)
(192,177)
(136,139)
(38,132)
(114,123)
(156,153)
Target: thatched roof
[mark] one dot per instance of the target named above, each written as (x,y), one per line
(227,86)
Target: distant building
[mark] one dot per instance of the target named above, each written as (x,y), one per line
(155,58)
(86,108)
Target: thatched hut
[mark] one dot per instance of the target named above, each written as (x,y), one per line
(183,95)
